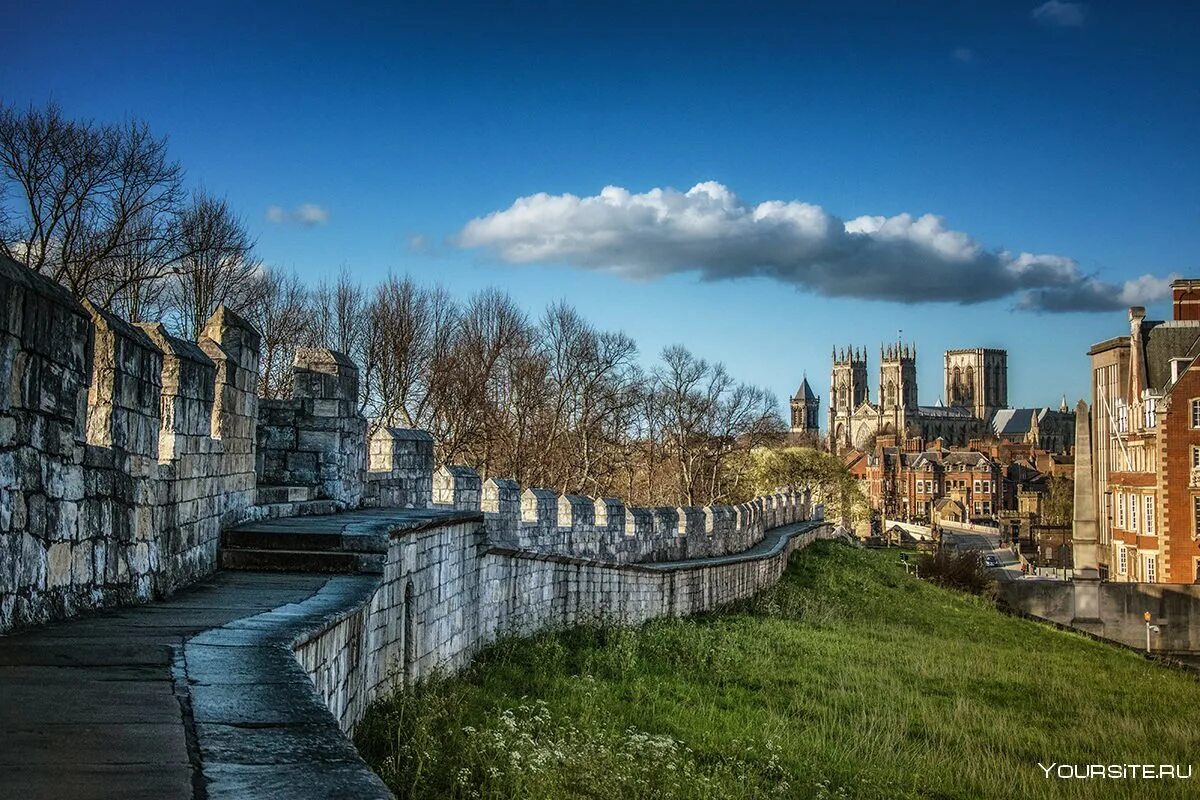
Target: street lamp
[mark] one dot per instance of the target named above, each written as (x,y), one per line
(1149,628)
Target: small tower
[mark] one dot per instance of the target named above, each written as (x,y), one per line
(805,407)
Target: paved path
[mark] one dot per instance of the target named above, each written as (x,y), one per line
(772,542)
(197,696)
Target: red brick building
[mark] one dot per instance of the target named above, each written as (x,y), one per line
(907,482)
(1146,441)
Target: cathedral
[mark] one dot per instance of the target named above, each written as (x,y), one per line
(976,386)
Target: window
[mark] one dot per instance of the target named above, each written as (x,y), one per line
(1150,573)
(1133,512)
(1122,560)
(1148,520)
(920,487)
(987,487)
(1195,457)
(977,487)
(978,509)
(1121,511)
(1196,516)
(1123,416)
(1151,411)
(1196,413)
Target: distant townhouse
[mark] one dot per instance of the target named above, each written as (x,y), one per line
(922,484)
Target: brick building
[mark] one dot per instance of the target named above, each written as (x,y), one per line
(1146,433)
(908,482)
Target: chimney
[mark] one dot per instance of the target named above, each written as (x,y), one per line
(1178,365)
(1185,299)
(1137,374)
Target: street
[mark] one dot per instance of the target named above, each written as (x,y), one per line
(1009,569)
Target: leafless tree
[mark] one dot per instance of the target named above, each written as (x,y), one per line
(86,203)
(216,264)
(282,310)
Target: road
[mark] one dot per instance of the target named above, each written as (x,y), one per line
(1010,567)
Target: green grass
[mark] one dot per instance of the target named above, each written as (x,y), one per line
(847,679)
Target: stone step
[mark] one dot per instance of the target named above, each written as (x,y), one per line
(271,495)
(307,508)
(253,539)
(323,561)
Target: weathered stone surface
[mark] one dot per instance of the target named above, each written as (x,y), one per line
(126,515)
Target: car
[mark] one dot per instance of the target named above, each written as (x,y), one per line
(991,561)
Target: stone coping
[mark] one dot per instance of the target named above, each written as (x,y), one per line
(261,729)
(771,544)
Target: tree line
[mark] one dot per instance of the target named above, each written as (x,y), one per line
(547,399)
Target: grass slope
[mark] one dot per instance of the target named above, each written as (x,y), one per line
(847,679)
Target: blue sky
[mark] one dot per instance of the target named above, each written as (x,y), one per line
(1070,133)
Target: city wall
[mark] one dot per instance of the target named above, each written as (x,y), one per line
(123,450)
(446,593)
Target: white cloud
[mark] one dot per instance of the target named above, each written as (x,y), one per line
(710,231)
(1060,14)
(307,214)
(310,214)
(964,54)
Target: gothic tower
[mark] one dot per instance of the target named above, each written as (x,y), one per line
(805,407)
(897,386)
(848,382)
(977,379)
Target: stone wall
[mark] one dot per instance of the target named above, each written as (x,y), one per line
(445,595)
(122,450)
(540,520)
(1174,608)
(316,438)
(399,469)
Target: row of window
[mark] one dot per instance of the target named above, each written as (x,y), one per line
(981,487)
(1149,565)
(1127,512)
(1150,413)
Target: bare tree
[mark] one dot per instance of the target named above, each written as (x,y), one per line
(216,264)
(84,202)
(282,311)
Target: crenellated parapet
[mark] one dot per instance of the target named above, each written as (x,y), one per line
(399,468)
(543,521)
(317,438)
(123,450)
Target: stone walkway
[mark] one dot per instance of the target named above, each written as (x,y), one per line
(198,696)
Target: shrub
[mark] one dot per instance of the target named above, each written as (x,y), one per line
(961,570)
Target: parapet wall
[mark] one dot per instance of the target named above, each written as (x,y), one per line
(317,438)
(444,596)
(541,521)
(123,450)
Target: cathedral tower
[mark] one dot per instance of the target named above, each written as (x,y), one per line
(897,385)
(977,379)
(848,382)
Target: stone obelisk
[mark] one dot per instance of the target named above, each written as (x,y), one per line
(1085,534)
